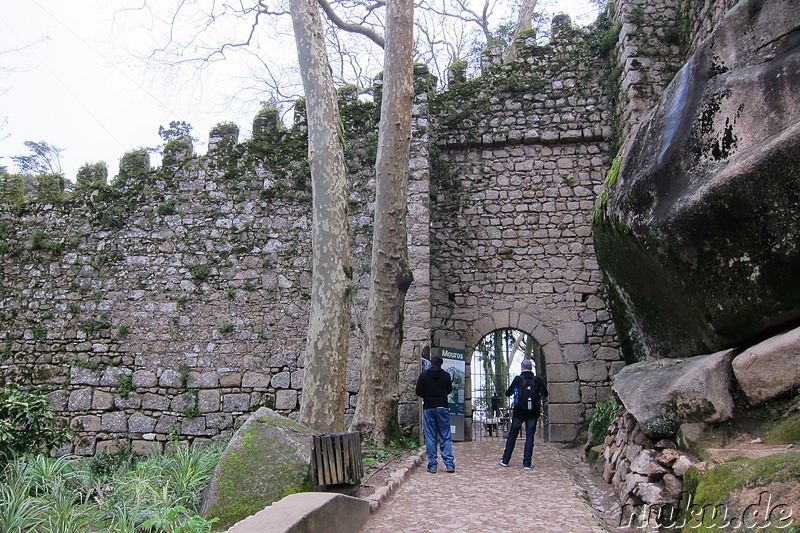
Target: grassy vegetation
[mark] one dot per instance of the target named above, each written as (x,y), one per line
(601,419)
(112,492)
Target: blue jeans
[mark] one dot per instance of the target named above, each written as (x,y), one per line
(511,441)
(436,422)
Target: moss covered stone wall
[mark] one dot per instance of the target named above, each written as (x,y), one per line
(174,302)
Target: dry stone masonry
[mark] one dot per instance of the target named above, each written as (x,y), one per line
(173,302)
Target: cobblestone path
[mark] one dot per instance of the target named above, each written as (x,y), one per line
(482,496)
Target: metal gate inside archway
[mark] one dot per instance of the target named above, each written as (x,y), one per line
(495,362)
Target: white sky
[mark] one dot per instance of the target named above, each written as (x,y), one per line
(68,77)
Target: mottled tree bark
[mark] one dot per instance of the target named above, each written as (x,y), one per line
(329,321)
(376,412)
(524,22)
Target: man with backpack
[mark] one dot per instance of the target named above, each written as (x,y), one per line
(527,389)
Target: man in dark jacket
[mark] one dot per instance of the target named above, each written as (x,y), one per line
(521,414)
(433,386)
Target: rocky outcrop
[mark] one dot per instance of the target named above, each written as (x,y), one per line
(697,233)
(268,458)
(661,395)
(769,369)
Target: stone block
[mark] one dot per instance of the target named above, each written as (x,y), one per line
(237,402)
(57,400)
(572,333)
(166,423)
(194,426)
(116,422)
(155,402)
(144,379)
(208,400)
(85,445)
(566,412)
(88,423)
(84,376)
(563,433)
(608,354)
(102,401)
(112,375)
(183,402)
(170,379)
(202,380)
(553,354)
(80,400)
(564,392)
(281,380)
(230,379)
(592,371)
(139,423)
(577,352)
(219,420)
(145,447)
(110,446)
(285,399)
(255,380)
(561,372)
(129,401)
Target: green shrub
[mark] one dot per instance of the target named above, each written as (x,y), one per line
(26,423)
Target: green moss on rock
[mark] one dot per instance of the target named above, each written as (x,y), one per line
(786,432)
(267,460)
(724,487)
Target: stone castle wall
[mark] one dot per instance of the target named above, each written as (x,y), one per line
(653,40)
(175,302)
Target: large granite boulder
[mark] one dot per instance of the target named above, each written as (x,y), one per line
(770,369)
(661,395)
(697,232)
(268,458)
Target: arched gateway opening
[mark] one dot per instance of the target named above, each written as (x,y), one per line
(494,362)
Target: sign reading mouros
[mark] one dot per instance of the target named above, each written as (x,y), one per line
(455,364)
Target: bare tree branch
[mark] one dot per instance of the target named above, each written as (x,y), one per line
(352,28)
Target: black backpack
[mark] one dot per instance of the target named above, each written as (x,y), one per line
(528,395)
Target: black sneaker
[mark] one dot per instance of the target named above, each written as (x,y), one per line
(431,470)
(502,463)
(451,470)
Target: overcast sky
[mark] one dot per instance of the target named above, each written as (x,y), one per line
(68,76)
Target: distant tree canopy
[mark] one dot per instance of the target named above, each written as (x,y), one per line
(176,129)
(45,159)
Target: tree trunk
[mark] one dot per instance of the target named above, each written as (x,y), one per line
(376,413)
(523,23)
(329,321)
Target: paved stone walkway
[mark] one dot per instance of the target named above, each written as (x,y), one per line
(482,496)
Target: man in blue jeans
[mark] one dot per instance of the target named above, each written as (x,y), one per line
(524,412)
(433,386)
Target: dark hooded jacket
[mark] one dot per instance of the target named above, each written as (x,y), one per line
(433,386)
